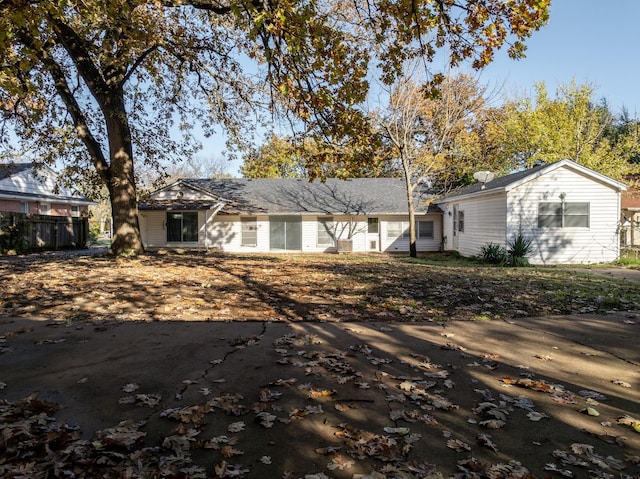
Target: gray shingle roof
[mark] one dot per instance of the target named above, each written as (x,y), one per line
(496,183)
(296,196)
(10,169)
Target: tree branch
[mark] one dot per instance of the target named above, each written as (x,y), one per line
(73,108)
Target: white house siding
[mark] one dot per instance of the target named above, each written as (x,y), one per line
(393,245)
(484,223)
(224,232)
(595,244)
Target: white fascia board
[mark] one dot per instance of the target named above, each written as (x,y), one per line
(572,165)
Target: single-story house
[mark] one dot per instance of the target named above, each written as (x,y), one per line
(569,212)
(24,191)
(287,214)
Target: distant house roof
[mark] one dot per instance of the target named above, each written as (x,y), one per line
(16,190)
(297,196)
(504,183)
(10,169)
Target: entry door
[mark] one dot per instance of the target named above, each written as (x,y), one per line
(373,234)
(285,233)
(454,242)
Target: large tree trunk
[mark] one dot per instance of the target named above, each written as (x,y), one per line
(121,181)
(413,248)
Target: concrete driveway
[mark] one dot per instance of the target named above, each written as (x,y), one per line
(315,400)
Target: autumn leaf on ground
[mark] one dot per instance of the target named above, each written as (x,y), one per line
(590,411)
(149,400)
(265,419)
(340,462)
(230,451)
(486,441)
(536,416)
(126,434)
(236,426)
(458,445)
(629,421)
(129,388)
(493,423)
(266,460)
(327,450)
(620,383)
(224,470)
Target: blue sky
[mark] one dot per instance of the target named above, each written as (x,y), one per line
(591,41)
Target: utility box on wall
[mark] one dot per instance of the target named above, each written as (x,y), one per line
(345,245)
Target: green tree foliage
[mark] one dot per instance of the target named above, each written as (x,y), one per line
(286,157)
(278,157)
(573,125)
(105,84)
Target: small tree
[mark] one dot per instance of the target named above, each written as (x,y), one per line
(423,129)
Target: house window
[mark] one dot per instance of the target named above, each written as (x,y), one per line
(372,225)
(397,230)
(563,215)
(75,210)
(24,207)
(325,232)
(249,231)
(424,229)
(182,226)
(45,209)
(461,221)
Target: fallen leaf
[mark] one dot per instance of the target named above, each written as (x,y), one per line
(129,388)
(493,423)
(590,411)
(623,384)
(236,426)
(458,445)
(536,416)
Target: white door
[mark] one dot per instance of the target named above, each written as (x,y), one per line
(454,241)
(373,234)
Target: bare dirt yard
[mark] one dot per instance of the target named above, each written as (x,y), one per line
(316,367)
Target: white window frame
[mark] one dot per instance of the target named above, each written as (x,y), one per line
(420,234)
(249,231)
(563,214)
(45,209)
(398,230)
(325,236)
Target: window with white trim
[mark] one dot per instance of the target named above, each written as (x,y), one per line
(182,226)
(461,221)
(372,225)
(424,229)
(397,230)
(249,227)
(326,233)
(563,215)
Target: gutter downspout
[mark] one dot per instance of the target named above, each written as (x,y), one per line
(215,209)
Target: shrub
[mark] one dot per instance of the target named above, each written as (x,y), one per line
(493,254)
(518,250)
(11,239)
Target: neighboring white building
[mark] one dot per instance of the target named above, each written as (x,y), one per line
(285,214)
(571,214)
(23,191)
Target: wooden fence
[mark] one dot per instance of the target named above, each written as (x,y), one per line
(29,232)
